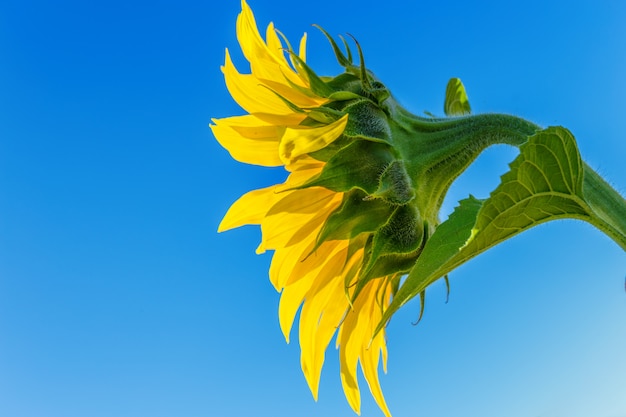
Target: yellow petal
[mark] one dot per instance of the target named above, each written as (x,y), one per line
(308,200)
(258,127)
(250,208)
(284,261)
(286,229)
(315,338)
(352,337)
(278,231)
(355,344)
(305,162)
(250,94)
(292,119)
(300,141)
(369,364)
(370,316)
(314,345)
(309,267)
(252,45)
(316,330)
(302,170)
(264,62)
(290,300)
(274,45)
(294,292)
(249,143)
(348,363)
(302,52)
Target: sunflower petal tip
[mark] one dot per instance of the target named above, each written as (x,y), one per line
(260,249)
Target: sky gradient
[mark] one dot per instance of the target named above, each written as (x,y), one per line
(119,299)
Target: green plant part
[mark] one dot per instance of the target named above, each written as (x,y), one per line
(399,166)
(367,178)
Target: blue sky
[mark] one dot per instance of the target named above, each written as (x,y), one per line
(118,298)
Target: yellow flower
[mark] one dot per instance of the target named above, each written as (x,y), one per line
(289,124)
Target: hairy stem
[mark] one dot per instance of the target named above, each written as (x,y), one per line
(608,207)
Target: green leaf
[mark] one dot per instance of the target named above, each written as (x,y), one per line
(456,103)
(544,183)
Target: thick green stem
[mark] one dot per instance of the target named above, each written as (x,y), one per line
(608,207)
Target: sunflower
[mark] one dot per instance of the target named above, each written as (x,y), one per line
(299,121)
(362,198)
(366,181)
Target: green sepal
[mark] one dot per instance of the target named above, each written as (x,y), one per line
(422,306)
(341,58)
(325,154)
(365,81)
(296,64)
(456,102)
(324,115)
(295,108)
(344,96)
(395,184)
(402,234)
(289,48)
(395,283)
(304,90)
(358,165)
(345,82)
(317,85)
(379,92)
(383,266)
(348,50)
(395,246)
(356,215)
(367,121)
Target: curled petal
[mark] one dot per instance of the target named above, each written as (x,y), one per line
(300,141)
(250,208)
(266,60)
(249,92)
(249,139)
(302,52)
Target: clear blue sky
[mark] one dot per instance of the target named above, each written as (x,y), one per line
(119,299)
